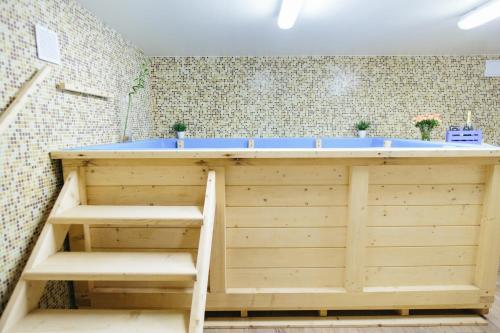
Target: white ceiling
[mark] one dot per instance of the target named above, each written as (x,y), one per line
(324,27)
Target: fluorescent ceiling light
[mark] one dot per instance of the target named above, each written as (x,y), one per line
(288,13)
(480,15)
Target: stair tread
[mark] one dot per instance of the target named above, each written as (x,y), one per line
(90,214)
(99,321)
(115,266)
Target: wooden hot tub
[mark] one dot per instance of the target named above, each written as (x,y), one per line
(306,228)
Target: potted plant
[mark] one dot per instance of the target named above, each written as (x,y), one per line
(362,126)
(180,128)
(139,83)
(426,124)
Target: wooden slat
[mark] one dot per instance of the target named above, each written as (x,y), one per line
(11,112)
(424,215)
(85,90)
(284,277)
(347,156)
(287,175)
(146,195)
(180,216)
(315,324)
(98,266)
(285,257)
(76,161)
(146,175)
(421,256)
(427,174)
(285,237)
(82,174)
(145,237)
(98,321)
(430,275)
(218,261)
(418,297)
(423,236)
(489,244)
(425,194)
(290,217)
(197,315)
(148,286)
(314,195)
(356,228)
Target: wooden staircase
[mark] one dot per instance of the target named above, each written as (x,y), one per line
(47,263)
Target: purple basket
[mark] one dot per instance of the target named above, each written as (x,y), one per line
(474,137)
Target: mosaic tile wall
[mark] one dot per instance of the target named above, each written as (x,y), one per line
(92,55)
(322,96)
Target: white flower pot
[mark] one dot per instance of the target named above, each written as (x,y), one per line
(181,135)
(362,134)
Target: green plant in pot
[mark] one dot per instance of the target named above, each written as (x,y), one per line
(180,129)
(426,124)
(362,126)
(139,83)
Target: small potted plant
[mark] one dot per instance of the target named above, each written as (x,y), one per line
(180,128)
(362,126)
(426,124)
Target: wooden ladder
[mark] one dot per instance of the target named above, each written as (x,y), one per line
(47,263)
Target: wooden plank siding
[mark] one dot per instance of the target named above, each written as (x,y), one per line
(288,240)
(286,226)
(424,224)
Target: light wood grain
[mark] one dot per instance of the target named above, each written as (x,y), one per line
(427,215)
(146,175)
(489,245)
(356,228)
(425,194)
(423,236)
(198,304)
(284,277)
(314,195)
(146,195)
(347,324)
(427,174)
(287,175)
(286,217)
(285,257)
(421,256)
(218,263)
(186,238)
(420,276)
(422,232)
(330,153)
(174,216)
(416,297)
(285,237)
(98,321)
(118,266)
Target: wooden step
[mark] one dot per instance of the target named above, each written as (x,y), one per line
(115,266)
(175,216)
(100,321)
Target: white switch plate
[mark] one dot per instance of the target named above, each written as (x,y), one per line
(492,68)
(47,44)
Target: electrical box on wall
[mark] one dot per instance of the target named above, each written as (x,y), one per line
(492,68)
(47,44)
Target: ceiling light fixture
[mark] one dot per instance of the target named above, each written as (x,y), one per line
(481,15)
(288,13)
